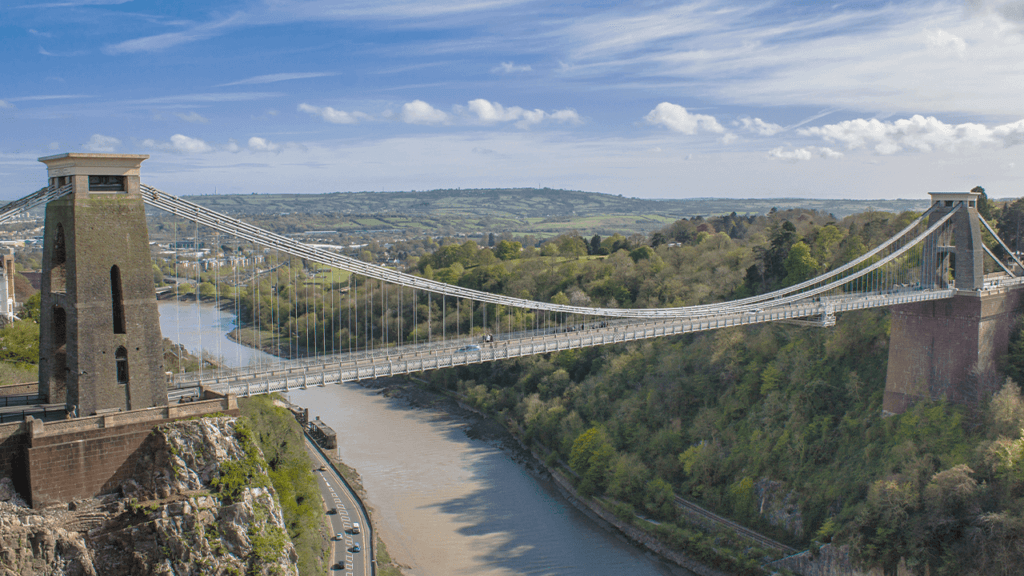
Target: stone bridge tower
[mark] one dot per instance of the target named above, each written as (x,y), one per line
(947,348)
(100,346)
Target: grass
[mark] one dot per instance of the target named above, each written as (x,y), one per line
(385,565)
(11,373)
(291,473)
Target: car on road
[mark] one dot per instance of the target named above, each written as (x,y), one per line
(355,527)
(323,468)
(332,511)
(339,536)
(339,565)
(470,348)
(355,547)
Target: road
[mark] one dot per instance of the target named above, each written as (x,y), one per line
(337,495)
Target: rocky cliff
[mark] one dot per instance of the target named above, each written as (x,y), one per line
(199,503)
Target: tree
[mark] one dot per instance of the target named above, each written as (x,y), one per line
(986,207)
(506,250)
(19,342)
(31,307)
(628,479)
(595,244)
(800,265)
(659,499)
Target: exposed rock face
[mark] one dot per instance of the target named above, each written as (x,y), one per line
(199,503)
(779,506)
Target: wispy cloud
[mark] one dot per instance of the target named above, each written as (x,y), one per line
(74,3)
(101,143)
(193,117)
(181,144)
(290,11)
(509,68)
(40,34)
(805,153)
(207,97)
(48,97)
(270,78)
(6,104)
(932,56)
(167,40)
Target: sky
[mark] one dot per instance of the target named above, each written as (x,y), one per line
(648,99)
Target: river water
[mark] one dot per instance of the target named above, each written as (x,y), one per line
(446,502)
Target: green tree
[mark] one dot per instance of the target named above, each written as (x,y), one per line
(800,265)
(32,306)
(659,500)
(506,250)
(19,342)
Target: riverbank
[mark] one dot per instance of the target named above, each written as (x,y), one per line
(484,427)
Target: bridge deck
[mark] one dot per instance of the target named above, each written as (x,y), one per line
(299,374)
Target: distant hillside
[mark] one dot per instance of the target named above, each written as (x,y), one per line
(542,203)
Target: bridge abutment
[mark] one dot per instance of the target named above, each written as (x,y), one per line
(948,348)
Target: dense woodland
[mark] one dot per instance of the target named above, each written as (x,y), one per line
(777,426)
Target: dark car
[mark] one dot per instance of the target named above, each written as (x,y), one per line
(355,547)
(339,565)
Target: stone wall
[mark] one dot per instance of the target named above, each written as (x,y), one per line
(13,442)
(633,533)
(946,348)
(30,389)
(53,463)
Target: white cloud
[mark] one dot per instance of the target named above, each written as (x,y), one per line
(676,118)
(946,41)
(269,78)
(38,33)
(232,146)
(257,144)
(181,144)
(330,114)
(6,104)
(419,112)
(101,143)
(193,117)
(509,67)
(492,112)
(805,153)
(758,126)
(919,133)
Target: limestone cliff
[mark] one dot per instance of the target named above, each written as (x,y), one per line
(199,503)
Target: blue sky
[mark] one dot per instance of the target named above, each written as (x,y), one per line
(646,99)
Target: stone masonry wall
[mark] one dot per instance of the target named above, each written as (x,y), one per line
(13,442)
(85,457)
(938,348)
(83,464)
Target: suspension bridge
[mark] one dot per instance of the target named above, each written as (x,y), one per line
(380,321)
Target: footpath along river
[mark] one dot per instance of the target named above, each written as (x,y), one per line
(448,500)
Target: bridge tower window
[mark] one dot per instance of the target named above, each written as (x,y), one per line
(106,183)
(117,300)
(58,263)
(121,358)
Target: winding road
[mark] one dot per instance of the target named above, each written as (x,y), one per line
(337,495)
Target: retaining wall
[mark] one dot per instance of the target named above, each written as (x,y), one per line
(53,463)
